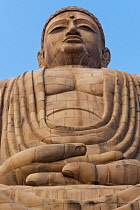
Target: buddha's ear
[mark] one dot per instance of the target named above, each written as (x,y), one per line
(40,58)
(106,57)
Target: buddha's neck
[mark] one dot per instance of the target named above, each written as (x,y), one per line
(72,66)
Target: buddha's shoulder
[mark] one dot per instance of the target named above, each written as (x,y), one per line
(137,76)
(109,71)
(42,71)
(4,82)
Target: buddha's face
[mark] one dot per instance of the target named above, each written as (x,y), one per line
(72,38)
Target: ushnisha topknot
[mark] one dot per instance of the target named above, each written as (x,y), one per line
(73,8)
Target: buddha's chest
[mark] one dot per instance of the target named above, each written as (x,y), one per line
(74,97)
(64,80)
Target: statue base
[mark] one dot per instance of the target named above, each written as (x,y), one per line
(70,197)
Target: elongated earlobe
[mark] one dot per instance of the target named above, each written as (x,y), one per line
(106,57)
(40,58)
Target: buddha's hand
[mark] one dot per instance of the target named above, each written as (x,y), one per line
(39,159)
(53,175)
(123,172)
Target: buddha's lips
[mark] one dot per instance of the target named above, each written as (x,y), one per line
(73,38)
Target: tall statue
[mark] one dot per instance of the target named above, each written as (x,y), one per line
(70,131)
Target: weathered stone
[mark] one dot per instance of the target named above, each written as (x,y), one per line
(71,129)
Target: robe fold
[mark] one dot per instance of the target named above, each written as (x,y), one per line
(23,124)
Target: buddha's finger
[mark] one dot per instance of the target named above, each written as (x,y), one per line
(55,152)
(106,157)
(45,153)
(103,158)
(109,174)
(24,171)
(58,165)
(82,171)
(21,173)
(49,179)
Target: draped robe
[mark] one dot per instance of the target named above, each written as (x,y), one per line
(24,124)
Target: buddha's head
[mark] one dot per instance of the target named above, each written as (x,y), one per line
(73,36)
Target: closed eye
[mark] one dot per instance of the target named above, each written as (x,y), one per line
(57,29)
(86,28)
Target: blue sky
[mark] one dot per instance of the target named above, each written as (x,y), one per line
(21,23)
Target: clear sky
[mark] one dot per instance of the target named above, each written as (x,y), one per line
(21,23)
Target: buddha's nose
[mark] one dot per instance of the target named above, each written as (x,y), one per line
(72,30)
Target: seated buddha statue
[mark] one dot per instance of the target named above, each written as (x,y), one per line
(73,125)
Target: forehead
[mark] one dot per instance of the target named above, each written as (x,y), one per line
(72,15)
